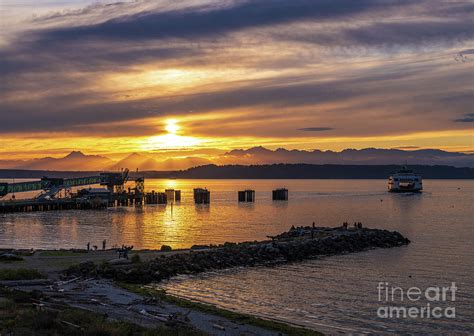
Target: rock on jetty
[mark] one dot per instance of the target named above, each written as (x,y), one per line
(297,244)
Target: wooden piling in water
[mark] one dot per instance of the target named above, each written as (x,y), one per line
(155,198)
(202,196)
(280,194)
(246,195)
(169,195)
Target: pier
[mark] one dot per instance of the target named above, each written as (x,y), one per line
(39,205)
(111,193)
(57,194)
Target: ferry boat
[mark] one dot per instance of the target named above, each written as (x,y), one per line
(405,180)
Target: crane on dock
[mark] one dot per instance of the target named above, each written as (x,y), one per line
(50,187)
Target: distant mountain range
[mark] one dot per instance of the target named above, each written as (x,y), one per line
(72,161)
(77,161)
(368,156)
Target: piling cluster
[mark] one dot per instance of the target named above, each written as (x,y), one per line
(116,195)
(246,195)
(280,194)
(295,245)
(169,196)
(156,198)
(202,196)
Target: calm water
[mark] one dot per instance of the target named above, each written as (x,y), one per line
(335,294)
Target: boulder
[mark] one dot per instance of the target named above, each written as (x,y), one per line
(10,257)
(120,261)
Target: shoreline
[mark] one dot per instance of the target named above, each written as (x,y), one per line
(137,305)
(272,171)
(98,281)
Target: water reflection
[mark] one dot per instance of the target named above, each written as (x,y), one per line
(326,202)
(337,291)
(339,294)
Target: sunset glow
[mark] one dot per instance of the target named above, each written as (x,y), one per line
(285,77)
(172,126)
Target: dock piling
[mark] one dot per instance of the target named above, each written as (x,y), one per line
(246,195)
(202,196)
(280,194)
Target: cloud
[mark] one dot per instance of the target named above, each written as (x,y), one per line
(384,34)
(467,118)
(81,43)
(53,73)
(464,56)
(134,34)
(315,129)
(406,147)
(403,33)
(215,20)
(275,104)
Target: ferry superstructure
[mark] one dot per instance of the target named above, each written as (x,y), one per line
(405,180)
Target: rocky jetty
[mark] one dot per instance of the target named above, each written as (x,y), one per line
(297,244)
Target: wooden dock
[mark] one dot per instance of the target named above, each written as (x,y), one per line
(49,205)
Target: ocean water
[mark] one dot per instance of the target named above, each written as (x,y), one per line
(336,294)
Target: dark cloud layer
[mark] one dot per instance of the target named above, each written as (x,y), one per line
(102,44)
(403,33)
(214,21)
(67,111)
(467,118)
(315,129)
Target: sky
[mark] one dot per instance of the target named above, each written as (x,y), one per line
(200,77)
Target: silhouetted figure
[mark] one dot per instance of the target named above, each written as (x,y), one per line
(312,231)
(123,251)
(104,243)
(88,246)
(95,247)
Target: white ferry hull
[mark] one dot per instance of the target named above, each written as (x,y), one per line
(405,189)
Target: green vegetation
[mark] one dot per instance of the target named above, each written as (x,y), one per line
(18,316)
(11,260)
(233,316)
(8,257)
(135,258)
(20,274)
(24,253)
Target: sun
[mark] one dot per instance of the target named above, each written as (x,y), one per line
(172,126)
(172,139)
